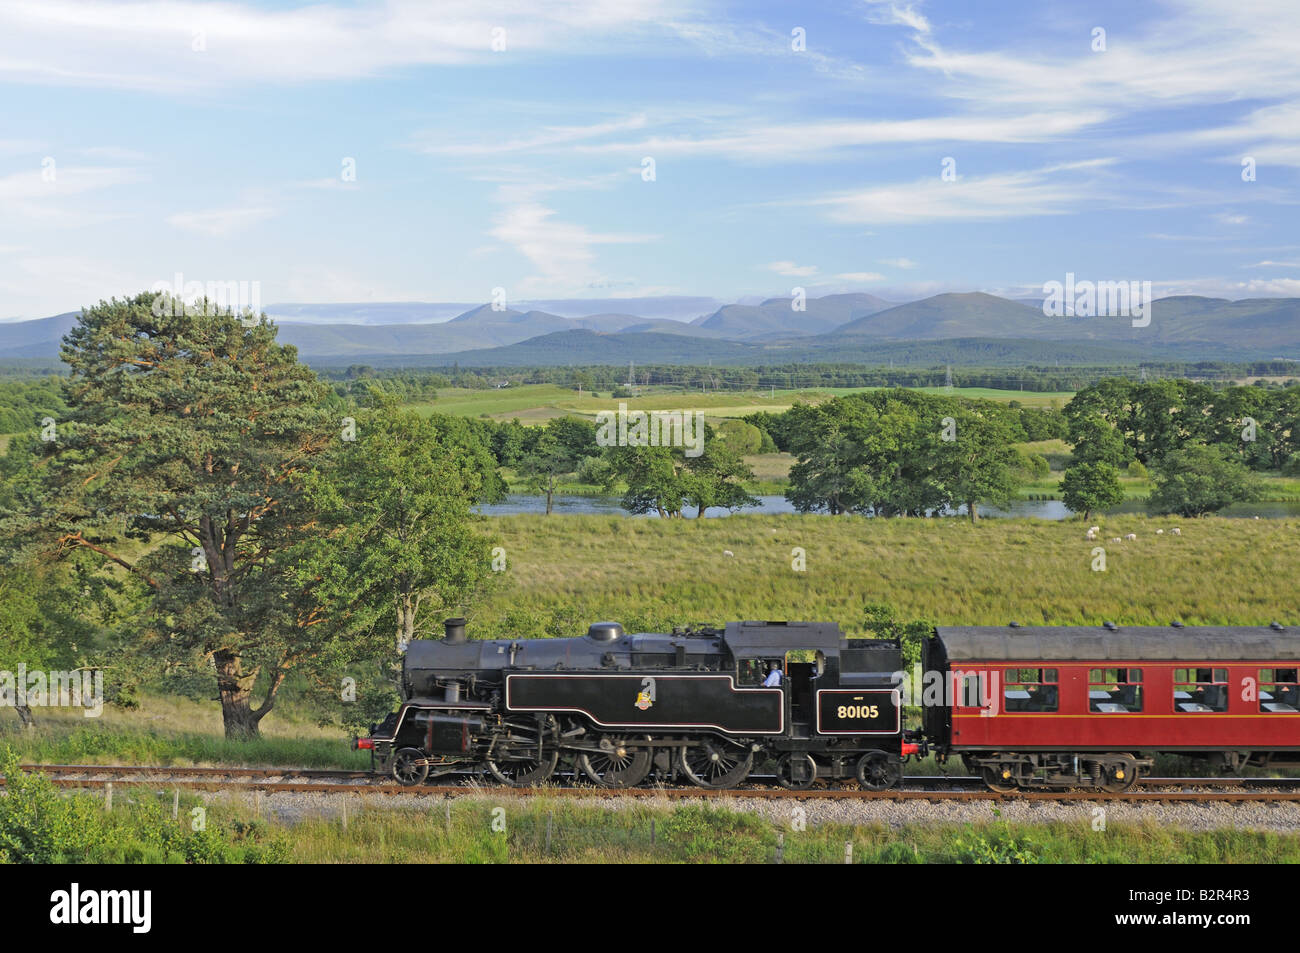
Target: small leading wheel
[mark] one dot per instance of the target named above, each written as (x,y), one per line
(410,766)
(714,765)
(1119,777)
(995,782)
(796,772)
(618,764)
(877,773)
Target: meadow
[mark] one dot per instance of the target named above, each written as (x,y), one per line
(948,571)
(536,403)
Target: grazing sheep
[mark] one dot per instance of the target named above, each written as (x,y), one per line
(1115,539)
(1160,532)
(727,552)
(1090,535)
(1175,532)
(1094,530)
(1131,536)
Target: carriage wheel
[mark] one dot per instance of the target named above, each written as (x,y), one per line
(621,765)
(796,772)
(407,768)
(1119,777)
(877,773)
(995,782)
(714,765)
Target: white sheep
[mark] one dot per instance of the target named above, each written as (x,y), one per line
(1094,530)
(1090,535)
(1160,532)
(727,552)
(1131,536)
(1175,532)
(1115,539)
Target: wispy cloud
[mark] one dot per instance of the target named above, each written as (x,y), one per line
(563,253)
(819,140)
(178,45)
(220,222)
(1051,190)
(791,270)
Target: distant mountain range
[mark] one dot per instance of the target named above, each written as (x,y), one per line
(972,328)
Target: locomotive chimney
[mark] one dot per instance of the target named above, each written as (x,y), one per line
(455,631)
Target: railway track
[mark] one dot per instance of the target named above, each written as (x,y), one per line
(936,788)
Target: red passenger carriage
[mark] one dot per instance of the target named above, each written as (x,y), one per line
(1091,707)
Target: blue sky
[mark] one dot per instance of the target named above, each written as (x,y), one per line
(142,140)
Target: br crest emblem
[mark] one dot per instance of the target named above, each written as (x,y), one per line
(646,696)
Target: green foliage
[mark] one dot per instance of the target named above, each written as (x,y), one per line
(1258,426)
(881,621)
(667,481)
(1035,466)
(1137,470)
(711,834)
(39,824)
(188,435)
(1096,441)
(25,403)
(898,452)
(740,437)
(399,547)
(1091,486)
(1200,480)
(550,453)
(992,844)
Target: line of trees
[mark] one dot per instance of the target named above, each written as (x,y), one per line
(900,453)
(1203,446)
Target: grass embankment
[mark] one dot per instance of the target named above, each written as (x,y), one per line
(174,732)
(1219,571)
(39,823)
(693,834)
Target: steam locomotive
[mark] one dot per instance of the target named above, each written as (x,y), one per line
(1044,707)
(618,706)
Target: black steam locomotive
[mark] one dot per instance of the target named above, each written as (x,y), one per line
(705,704)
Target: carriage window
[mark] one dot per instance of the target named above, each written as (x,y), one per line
(1200,689)
(970,689)
(1115,690)
(1031,689)
(1279,691)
